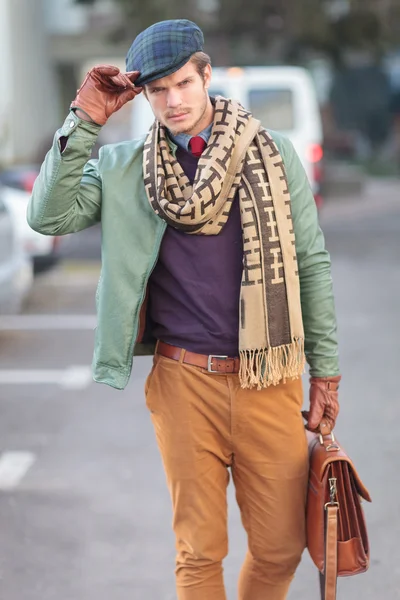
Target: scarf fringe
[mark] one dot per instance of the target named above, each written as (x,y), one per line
(270,366)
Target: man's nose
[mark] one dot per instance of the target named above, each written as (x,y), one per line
(173,99)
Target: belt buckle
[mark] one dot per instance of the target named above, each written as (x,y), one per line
(210,359)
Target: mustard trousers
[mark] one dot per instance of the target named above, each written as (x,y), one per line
(207,425)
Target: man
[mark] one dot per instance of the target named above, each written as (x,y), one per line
(211,248)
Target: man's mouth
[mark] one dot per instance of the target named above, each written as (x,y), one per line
(178,116)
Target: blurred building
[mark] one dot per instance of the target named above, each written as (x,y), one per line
(44,45)
(28,92)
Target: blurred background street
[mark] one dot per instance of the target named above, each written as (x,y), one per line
(84,509)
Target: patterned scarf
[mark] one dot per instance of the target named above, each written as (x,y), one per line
(241,157)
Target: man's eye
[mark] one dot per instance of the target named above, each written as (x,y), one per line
(185,82)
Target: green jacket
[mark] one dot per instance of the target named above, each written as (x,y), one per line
(73,193)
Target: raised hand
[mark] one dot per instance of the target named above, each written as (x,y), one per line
(104,91)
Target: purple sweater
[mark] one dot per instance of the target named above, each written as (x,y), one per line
(195,286)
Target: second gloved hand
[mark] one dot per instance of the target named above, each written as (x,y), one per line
(324,402)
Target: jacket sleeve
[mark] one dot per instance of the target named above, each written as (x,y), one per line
(316,292)
(67,193)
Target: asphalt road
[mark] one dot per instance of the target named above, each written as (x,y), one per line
(84,510)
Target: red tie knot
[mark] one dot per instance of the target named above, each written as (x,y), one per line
(197,145)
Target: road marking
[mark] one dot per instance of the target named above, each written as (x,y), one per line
(71,378)
(13,467)
(47,322)
(76,378)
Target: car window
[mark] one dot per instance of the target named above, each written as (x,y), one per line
(273,107)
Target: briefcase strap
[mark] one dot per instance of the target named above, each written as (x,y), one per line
(328,579)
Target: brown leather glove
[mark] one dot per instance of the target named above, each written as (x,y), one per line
(104,91)
(324,404)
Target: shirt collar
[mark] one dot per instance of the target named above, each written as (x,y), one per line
(182,139)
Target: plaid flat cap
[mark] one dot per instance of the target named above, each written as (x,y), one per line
(163,48)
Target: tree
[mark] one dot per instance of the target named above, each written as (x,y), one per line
(263,31)
(235,30)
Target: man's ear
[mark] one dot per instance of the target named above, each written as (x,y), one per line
(207,76)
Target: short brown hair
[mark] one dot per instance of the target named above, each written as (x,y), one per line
(200,61)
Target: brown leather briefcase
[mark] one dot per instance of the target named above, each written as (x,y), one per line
(337,538)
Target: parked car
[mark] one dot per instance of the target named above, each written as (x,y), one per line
(17,183)
(16,268)
(283,98)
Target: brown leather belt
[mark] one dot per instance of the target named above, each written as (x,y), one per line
(213,363)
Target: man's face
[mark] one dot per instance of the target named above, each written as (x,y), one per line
(180,101)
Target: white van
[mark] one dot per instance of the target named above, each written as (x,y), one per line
(283,98)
